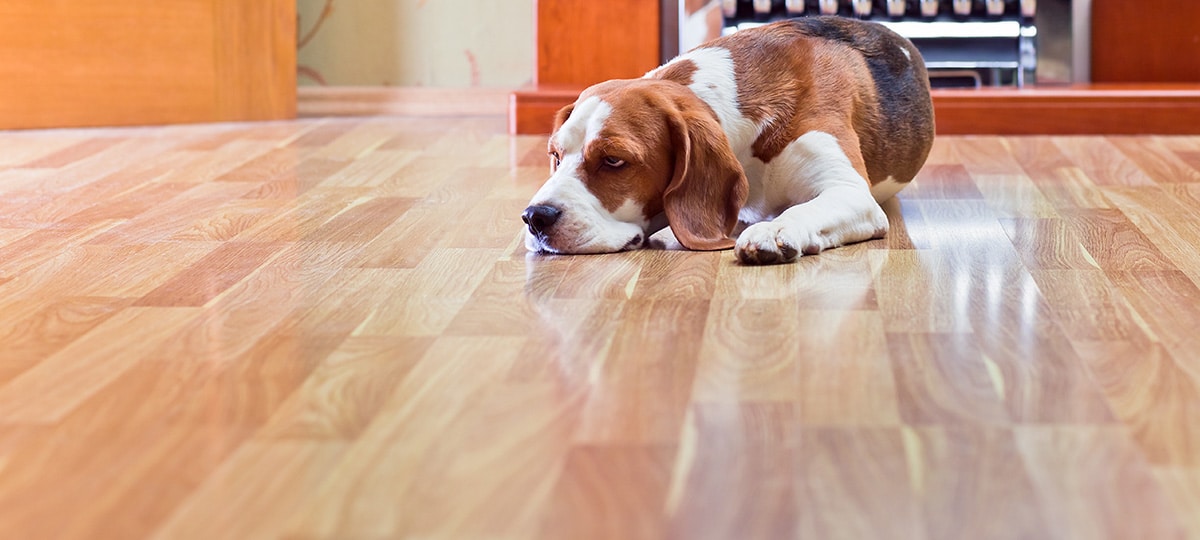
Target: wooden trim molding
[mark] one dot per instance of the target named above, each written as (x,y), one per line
(531,110)
(1128,109)
(317,101)
(1088,109)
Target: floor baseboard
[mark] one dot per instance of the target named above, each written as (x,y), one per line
(317,101)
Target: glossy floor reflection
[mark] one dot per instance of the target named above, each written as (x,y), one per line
(330,329)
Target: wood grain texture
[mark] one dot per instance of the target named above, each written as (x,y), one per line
(1169,46)
(1064,464)
(134,62)
(697,501)
(856,483)
(578,45)
(330,328)
(254,47)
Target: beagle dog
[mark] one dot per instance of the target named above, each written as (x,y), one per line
(786,137)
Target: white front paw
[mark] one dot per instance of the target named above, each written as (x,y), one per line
(766,243)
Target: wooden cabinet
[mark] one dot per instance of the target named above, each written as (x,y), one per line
(131,62)
(1146,41)
(585,42)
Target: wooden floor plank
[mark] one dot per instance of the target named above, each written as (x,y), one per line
(641,392)
(255,491)
(1155,159)
(735,447)
(374,477)
(610,492)
(54,387)
(1087,307)
(1102,161)
(1170,302)
(173,216)
(945,379)
(1086,477)
(971,482)
(1168,221)
(20,150)
(523,431)
(855,483)
(752,353)
(210,276)
(1114,242)
(343,394)
(330,328)
(1155,398)
(32,331)
(1183,488)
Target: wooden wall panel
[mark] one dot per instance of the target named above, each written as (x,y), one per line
(584,42)
(1145,41)
(129,62)
(255,48)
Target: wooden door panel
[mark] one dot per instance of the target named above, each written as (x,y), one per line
(585,42)
(256,59)
(130,62)
(1145,41)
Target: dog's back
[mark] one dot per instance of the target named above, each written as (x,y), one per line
(905,112)
(801,74)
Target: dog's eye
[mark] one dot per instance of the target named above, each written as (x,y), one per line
(554,158)
(613,162)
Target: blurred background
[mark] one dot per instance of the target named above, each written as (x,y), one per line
(137,62)
(437,43)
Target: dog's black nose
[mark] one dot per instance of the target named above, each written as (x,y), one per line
(540,218)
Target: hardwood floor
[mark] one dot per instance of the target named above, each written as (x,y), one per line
(330,329)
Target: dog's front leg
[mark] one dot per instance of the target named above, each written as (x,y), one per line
(835,218)
(838,207)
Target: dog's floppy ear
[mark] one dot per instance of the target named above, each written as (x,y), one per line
(708,186)
(560,118)
(562,115)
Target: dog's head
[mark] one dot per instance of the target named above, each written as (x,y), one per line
(628,158)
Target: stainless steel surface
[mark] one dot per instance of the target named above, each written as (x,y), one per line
(1010,42)
(955,30)
(1027,54)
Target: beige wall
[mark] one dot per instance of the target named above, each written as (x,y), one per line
(435,43)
